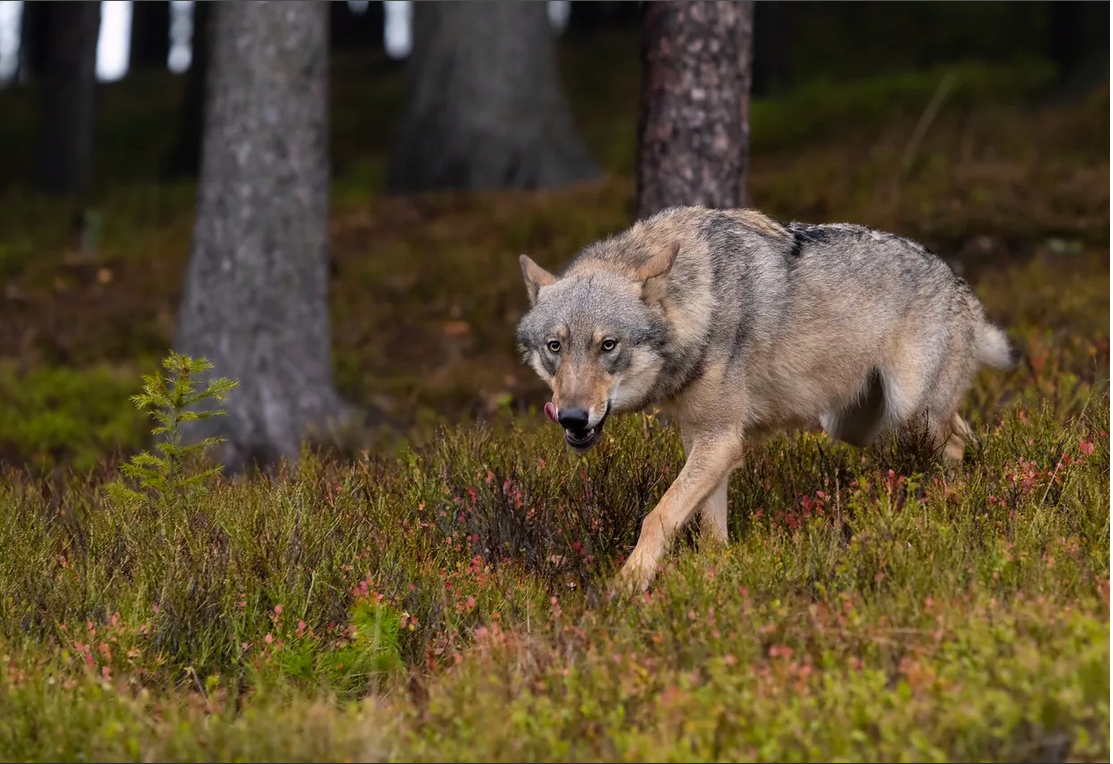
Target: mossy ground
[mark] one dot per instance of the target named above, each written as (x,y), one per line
(444,601)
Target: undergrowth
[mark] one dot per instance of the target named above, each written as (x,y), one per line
(448,604)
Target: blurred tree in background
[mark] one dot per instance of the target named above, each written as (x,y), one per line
(356,30)
(69,35)
(184,158)
(484,105)
(150,34)
(256,291)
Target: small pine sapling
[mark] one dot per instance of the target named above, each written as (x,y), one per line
(168,476)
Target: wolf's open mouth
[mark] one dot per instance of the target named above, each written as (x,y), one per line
(584,440)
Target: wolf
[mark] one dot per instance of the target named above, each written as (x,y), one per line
(738,327)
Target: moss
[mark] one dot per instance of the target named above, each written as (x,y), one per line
(60,416)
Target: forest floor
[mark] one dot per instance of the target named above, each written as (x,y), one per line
(442,599)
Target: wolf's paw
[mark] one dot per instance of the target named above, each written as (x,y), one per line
(634,578)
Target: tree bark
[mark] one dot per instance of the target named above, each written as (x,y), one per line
(694,128)
(362,31)
(150,34)
(1064,35)
(68,95)
(770,47)
(184,158)
(594,16)
(484,105)
(256,292)
(32,41)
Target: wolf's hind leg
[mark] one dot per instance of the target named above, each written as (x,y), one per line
(960,434)
(712,510)
(948,431)
(713,515)
(860,422)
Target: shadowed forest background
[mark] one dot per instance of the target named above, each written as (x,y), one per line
(427,586)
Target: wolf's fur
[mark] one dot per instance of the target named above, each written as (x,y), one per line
(740,326)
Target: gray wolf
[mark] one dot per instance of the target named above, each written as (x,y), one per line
(737,327)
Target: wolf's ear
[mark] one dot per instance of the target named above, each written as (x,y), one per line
(535,277)
(658,265)
(660,262)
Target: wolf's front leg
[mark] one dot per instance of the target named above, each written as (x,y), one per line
(707,468)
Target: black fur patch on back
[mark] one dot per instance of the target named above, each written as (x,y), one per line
(804,234)
(797,246)
(809,233)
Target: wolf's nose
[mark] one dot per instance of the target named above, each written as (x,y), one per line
(572,418)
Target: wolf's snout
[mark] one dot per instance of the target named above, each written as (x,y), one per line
(573,418)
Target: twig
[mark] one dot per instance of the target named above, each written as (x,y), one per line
(929,115)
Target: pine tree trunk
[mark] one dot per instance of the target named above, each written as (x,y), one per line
(184,158)
(770,44)
(32,41)
(694,129)
(69,95)
(485,109)
(362,31)
(256,292)
(150,34)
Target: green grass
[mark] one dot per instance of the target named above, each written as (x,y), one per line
(458,589)
(447,602)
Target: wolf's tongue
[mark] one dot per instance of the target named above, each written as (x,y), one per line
(550,411)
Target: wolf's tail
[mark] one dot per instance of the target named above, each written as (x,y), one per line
(993,349)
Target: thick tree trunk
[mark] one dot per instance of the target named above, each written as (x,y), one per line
(32,40)
(770,46)
(256,292)
(1078,44)
(184,158)
(69,95)
(593,15)
(694,130)
(362,31)
(484,107)
(150,34)
(1064,43)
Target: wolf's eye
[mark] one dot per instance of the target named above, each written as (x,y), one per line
(608,345)
(554,346)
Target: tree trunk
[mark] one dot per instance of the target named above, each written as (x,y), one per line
(184,159)
(770,47)
(68,95)
(150,34)
(484,106)
(361,31)
(32,41)
(594,16)
(694,129)
(1064,44)
(256,292)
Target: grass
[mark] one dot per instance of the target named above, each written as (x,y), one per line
(445,600)
(447,604)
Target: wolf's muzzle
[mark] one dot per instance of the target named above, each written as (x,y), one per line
(576,432)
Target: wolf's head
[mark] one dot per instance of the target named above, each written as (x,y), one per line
(595,336)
